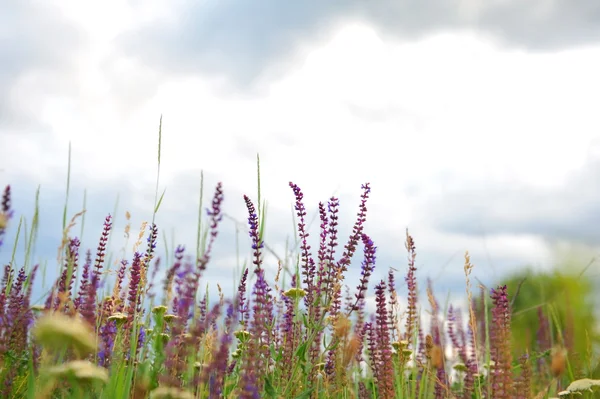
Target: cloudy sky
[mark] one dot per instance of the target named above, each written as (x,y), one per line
(476,122)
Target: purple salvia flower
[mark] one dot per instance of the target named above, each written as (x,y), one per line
(241,299)
(458,345)
(257,244)
(393,300)
(218,366)
(350,248)
(15,327)
(368,266)
(469,383)
(322,253)
(436,333)
(215,217)
(332,207)
(179,251)
(101,252)
(5,205)
(411,282)
(108,332)
(70,266)
(500,350)
(363,393)
(88,306)
(5,212)
(85,275)
(289,337)
(385,380)
(359,330)
(152,239)
(202,307)
(543,332)
(256,358)
(120,277)
(151,294)
(373,349)
(134,285)
(306,256)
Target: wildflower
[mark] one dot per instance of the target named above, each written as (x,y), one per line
(501,379)
(100,253)
(56,331)
(411,281)
(159,310)
(170,317)
(295,293)
(308,269)
(119,318)
(584,384)
(170,393)
(80,370)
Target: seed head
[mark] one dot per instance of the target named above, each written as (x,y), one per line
(81,370)
(57,331)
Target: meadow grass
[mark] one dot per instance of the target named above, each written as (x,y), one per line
(305,337)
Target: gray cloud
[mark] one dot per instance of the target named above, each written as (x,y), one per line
(241,40)
(34,39)
(569,212)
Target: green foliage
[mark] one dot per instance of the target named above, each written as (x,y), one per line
(566,300)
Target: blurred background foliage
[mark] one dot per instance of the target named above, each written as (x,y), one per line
(567,296)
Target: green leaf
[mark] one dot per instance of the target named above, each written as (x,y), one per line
(301,351)
(306,394)
(159,201)
(269,389)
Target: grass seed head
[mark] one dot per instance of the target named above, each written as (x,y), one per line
(558,364)
(81,370)
(56,331)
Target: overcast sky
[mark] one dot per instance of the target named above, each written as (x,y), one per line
(476,122)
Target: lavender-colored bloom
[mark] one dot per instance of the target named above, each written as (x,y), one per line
(108,331)
(356,235)
(500,350)
(218,367)
(101,252)
(368,266)
(5,212)
(85,275)
(411,282)
(241,299)
(151,240)
(151,294)
(215,217)
(134,285)
(306,257)
(88,307)
(458,344)
(257,243)
(332,231)
(385,379)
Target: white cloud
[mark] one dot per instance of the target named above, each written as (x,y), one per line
(415,118)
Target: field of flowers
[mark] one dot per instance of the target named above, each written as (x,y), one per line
(309,338)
